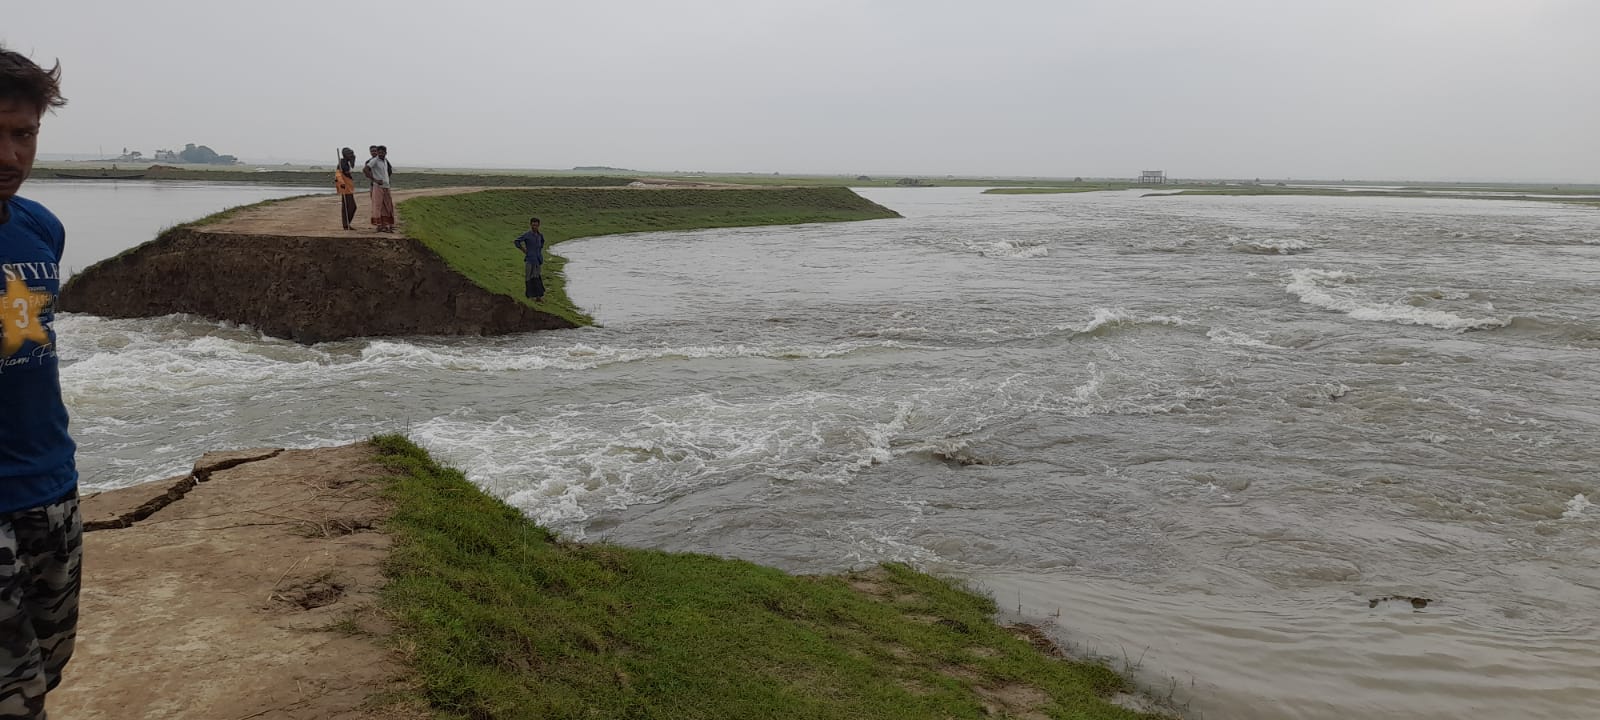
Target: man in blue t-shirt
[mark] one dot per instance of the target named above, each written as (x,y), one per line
(531,243)
(41,535)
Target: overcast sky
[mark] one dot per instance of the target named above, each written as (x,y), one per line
(1375,89)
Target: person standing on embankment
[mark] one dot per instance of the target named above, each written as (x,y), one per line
(531,243)
(379,171)
(41,533)
(344,181)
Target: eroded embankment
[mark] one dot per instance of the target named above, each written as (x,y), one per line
(307,289)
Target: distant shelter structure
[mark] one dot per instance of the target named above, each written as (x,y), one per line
(1152,177)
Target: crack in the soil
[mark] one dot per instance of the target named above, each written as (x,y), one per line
(173,494)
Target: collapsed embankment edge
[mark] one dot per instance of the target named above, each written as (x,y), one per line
(305,289)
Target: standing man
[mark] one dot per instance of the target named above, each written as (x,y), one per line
(41,535)
(377,170)
(531,243)
(345,183)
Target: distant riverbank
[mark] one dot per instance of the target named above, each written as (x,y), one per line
(1583,195)
(1578,194)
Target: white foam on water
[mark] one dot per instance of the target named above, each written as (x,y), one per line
(1105,318)
(587,357)
(130,384)
(158,365)
(1233,337)
(1012,248)
(1336,290)
(1268,246)
(564,468)
(106,362)
(1576,507)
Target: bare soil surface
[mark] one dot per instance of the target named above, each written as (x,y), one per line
(250,594)
(317,216)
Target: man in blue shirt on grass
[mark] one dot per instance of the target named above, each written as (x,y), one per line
(41,535)
(531,243)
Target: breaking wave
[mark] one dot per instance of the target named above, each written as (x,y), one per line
(1268,246)
(1338,291)
(1108,320)
(1234,337)
(1013,248)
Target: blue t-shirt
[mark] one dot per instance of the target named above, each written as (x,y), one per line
(36,453)
(531,243)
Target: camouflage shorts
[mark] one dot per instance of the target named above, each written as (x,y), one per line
(41,555)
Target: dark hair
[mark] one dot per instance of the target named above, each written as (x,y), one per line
(532,220)
(21,79)
(383,148)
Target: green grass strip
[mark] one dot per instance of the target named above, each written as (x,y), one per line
(473,232)
(501,619)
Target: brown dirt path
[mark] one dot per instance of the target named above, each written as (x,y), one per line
(316,216)
(250,594)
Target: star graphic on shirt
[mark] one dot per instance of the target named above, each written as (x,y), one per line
(20,308)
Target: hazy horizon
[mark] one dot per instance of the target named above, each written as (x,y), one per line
(302,164)
(1418,90)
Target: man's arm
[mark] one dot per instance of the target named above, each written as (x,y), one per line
(519,243)
(366,169)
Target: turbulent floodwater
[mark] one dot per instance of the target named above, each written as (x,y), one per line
(1201,435)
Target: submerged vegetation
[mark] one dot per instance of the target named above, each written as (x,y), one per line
(501,619)
(473,232)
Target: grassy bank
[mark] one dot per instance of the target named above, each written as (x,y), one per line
(500,619)
(473,232)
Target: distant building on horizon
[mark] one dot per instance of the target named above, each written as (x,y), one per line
(1152,177)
